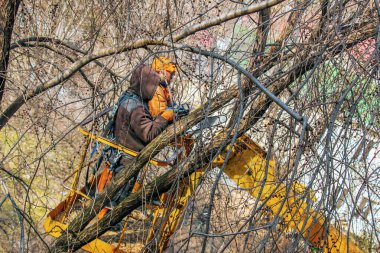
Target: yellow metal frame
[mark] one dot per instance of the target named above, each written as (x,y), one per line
(174,211)
(119,147)
(246,167)
(55,229)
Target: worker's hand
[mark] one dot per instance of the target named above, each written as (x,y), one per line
(168,114)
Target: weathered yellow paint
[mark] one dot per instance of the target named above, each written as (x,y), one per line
(55,229)
(176,207)
(247,167)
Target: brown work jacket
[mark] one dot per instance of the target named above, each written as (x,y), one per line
(134,125)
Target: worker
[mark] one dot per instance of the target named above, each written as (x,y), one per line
(142,113)
(133,126)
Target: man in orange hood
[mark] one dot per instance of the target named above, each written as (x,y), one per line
(134,125)
(144,110)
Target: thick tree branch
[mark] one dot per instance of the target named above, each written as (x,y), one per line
(257,55)
(164,182)
(41,41)
(72,60)
(226,17)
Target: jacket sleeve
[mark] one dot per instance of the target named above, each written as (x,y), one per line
(159,102)
(144,126)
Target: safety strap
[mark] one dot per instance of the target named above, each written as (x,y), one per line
(119,147)
(109,129)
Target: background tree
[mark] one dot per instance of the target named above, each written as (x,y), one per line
(7,18)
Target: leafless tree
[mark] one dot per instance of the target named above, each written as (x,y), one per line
(300,78)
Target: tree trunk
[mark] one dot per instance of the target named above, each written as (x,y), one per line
(8,12)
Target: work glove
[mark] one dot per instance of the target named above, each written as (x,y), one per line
(168,114)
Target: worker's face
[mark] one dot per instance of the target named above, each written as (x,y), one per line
(168,76)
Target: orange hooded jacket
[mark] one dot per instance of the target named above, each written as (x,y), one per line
(159,103)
